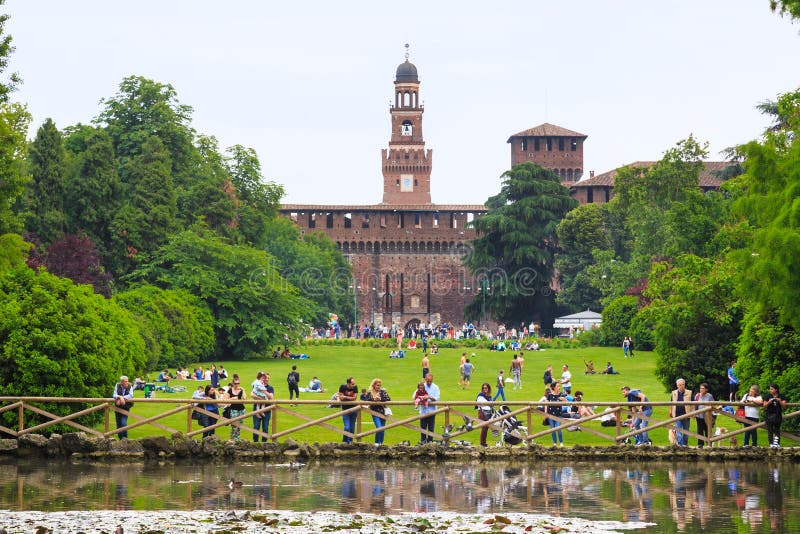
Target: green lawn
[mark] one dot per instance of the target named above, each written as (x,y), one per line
(333,364)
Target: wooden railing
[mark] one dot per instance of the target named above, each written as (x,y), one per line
(459,418)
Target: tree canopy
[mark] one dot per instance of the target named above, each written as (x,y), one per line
(517,243)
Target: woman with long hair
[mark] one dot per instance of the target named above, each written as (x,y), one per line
(377,393)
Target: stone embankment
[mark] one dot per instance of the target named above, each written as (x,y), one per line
(178,446)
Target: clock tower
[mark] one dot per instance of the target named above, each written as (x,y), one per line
(406,163)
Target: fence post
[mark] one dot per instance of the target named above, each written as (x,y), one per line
(21,416)
(358,425)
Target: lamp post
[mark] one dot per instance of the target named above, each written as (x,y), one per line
(355,303)
(484,288)
(374,289)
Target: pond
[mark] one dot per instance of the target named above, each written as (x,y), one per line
(678,497)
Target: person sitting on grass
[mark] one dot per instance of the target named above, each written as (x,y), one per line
(609,370)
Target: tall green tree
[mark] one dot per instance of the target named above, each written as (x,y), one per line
(6,49)
(696,318)
(582,231)
(14,121)
(148,218)
(93,188)
(253,305)
(44,199)
(314,265)
(13,251)
(517,242)
(143,108)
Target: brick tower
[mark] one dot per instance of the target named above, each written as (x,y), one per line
(406,164)
(551,147)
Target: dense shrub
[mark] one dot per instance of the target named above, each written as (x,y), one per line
(177,327)
(58,339)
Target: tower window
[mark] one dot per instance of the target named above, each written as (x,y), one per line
(436,219)
(365,220)
(312,220)
(383,220)
(574,144)
(548,144)
(536,144)
(329,220)
(407,155)
(417,220)
(348,220)
(524,145)
(561,144)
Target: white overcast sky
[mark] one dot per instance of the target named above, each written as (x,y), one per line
(308,84)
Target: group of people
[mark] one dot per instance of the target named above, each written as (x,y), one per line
(424,397)
(772,403)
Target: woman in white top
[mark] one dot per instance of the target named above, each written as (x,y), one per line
(751,413)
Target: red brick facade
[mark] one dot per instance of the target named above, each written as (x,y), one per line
(551,147)
(406,252)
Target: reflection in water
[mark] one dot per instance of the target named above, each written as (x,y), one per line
(686,497)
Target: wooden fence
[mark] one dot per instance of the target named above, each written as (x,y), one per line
(457,418)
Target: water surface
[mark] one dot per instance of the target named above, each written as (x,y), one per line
(678,497)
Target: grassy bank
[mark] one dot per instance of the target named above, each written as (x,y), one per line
(333,364)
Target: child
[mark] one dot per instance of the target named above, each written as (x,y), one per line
(420,396)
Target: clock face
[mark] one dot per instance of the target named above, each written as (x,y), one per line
(405,129)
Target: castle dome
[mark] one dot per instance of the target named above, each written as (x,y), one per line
(406,72)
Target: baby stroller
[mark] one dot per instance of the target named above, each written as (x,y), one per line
(511,428)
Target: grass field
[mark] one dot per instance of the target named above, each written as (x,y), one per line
(333,364)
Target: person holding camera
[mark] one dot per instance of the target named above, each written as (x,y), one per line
(123,399)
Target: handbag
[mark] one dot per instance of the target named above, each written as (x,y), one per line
(739,411)
(387,411)
(226,413)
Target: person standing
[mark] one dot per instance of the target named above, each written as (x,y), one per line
(501,386)
(208,420)
(553,411)
(773,415)
(123,399)
(293,380)
(378,394)
(261,390)
(733,382)
(751,414)
(516,371)
(483,405)
(705,420)
(348,392)
(548,375)
(468,368)
(640,413)
(427,405)
(236,393)
(566,379)
(681,394)
(461,369)
(426,366)
(626,343)
(214,377)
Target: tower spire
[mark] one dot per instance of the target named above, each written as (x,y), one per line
(407,53)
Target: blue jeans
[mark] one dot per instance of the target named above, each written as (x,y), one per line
(262,421)
(501,392)
(638,423)
(554,424)
(379,423)
(349,421)
(682,438)
(122,420)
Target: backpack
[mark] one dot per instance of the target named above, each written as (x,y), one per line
(292,379)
